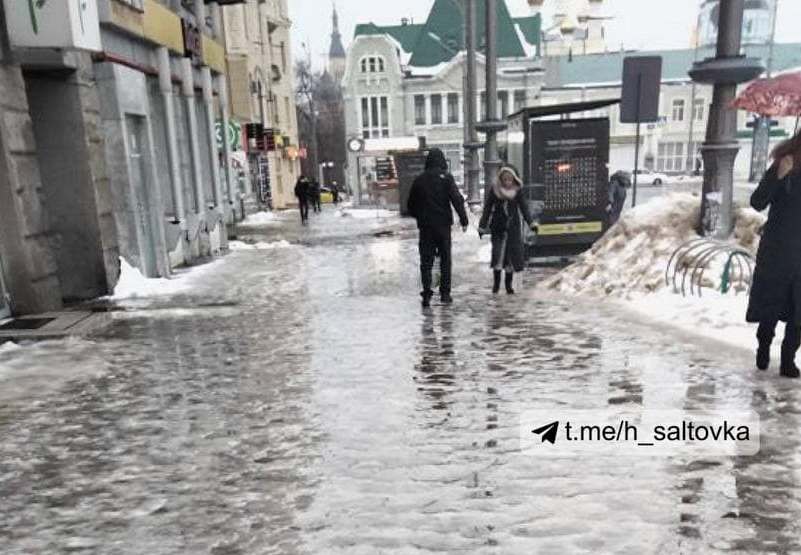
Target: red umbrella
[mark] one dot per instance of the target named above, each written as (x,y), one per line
(778,96)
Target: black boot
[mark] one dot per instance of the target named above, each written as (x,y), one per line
(426,298)
(765,335)
(792,340)
(496,281)
(789,369)
(509,277)
(763,357)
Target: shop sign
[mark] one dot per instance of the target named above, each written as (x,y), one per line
(68,24)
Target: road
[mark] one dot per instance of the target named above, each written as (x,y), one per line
(301,401)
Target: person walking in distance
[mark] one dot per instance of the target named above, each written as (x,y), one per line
(503,211)
(618,184)
(776,290)
(316,192)
(302,192)
(432,195)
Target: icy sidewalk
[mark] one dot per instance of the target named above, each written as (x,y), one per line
(628,268)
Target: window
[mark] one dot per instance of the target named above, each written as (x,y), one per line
(375,117)
(283,57)
(419,109)
(670,157)
(436,109)
(503,103)
(698,109)
(678,110)
(373,64)
(365,117)
(482,109)
(453,108)
(519,100)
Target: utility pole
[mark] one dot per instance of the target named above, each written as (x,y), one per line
(491,126)
(725,72)
(472,145)
(761,143)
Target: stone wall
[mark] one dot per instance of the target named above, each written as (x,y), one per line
(30,269)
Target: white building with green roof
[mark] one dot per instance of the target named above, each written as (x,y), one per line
(406,80)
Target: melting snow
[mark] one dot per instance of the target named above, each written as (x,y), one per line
(260,219)
(628,267)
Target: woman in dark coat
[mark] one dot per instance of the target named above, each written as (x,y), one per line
(504,211)
(776,291)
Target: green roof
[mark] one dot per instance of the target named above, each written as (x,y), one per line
(441,37)
(608,68)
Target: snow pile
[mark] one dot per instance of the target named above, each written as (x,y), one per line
(633,256)
(629,263)
(9,347)
(260,219)
(366,213)
(260,246)
(133,285)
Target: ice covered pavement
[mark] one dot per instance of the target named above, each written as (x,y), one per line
(299,401)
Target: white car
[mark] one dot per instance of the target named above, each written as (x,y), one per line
(650,177)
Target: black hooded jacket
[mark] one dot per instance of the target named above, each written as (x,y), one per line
(434,192)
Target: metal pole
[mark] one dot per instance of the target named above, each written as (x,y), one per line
(491,126)
(637,143)
(472,146)
(721,146)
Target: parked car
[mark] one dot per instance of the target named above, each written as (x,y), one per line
(650,177)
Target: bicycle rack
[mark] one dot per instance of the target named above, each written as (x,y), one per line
(690,262)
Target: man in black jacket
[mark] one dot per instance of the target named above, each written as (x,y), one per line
(430,200)
(302,192)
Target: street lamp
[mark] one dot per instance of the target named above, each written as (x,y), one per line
(725,71)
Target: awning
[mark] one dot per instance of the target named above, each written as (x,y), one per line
(557,109)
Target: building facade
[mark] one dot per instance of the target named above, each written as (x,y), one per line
(108,146)
(262,99)
(405,82)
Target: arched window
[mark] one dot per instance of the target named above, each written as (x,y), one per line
(373,64)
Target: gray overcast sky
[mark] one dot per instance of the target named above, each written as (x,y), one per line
(638,23)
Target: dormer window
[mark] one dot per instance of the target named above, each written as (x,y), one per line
(373,64)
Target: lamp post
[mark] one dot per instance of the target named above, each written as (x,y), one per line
(491,125)
(471,137)
(725,71)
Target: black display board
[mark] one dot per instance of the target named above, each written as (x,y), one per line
(569,164)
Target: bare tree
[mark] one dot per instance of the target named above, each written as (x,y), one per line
(321,121)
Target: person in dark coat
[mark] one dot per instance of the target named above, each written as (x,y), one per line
(776,290)
(315,191)
(504,210)
(432,195)
(335,193)
(618,184)
(302,192)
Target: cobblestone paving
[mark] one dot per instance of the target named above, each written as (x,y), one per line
(301,402)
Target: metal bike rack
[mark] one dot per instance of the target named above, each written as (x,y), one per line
(691,261)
